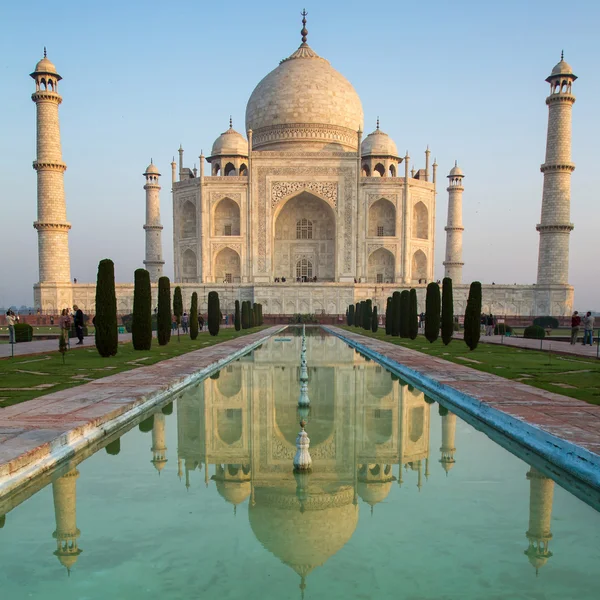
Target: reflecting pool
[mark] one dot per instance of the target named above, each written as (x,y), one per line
(199,500)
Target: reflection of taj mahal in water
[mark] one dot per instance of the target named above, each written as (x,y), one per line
(368,432)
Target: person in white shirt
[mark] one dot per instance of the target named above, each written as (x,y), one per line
(11,319)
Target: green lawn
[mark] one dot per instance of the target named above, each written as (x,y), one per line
(576,377)
(27,377)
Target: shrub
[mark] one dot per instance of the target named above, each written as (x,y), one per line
(442,410)
(256,315)
(413,317)
(141,324)
(245,315)
(306,318)
(214,313)
(163,321)
(177,307)
(147,424)
(237,319)
(473,316)
(114,447)
(404,312)
(546,322)
(107,337)
(350,318)
(194,317)
(261,320)
(396,314)
(388,316)
(447,311)
(23,332)
(358,317)
(167,409)
(429,399)
(534,332)
(432,312)
(374,321)
(367,315)
(502,329)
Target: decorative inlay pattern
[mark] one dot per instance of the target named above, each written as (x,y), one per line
(217,196)
(375,246)
(324,189)
(393,198)
(304,131)
(219,246)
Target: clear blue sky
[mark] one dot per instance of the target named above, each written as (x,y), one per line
(140,78)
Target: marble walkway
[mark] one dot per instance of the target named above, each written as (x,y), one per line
(34,431)
(572,420)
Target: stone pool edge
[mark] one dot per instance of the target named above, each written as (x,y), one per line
(66,445)
(573,459)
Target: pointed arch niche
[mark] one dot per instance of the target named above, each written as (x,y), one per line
(420,224)
(382,218)
(227,266)
(189,266)
(188,220)
(226,218)
(419,265)
(381,266)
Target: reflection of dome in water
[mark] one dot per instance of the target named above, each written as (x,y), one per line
(303,540)
(374,493)
(234,492)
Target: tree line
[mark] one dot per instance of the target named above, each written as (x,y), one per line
(402,314)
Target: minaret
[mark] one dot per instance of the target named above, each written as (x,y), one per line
(154,262)
(454,229)
(448,435)
(66,534)
(555,225)
(51,224)
(541,493)
(159,447)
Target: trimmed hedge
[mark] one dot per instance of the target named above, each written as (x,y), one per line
(432,312)
(177,307)
(141,325)
(367,315)
(447,311)
(245,315)
(388,316)
(214,313)
(413,316)
(350,318)
(164,311)
(396,314)
(502,329)
(194,317)
(107,337)
(374,321)
(23,332)
(473,316)
(114,447)
(534,332)
(237,319)
(147,424)
(546,322)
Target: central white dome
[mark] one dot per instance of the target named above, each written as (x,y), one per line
(304,102)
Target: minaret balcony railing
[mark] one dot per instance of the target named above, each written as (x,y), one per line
(153,227)
(565,167)
(557,98)
(555,227)
(45,226)
(46,96)
(49,165)
(454,228)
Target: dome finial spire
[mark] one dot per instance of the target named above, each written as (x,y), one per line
(562,55)
(230,122)
(378,123)
(44,51)
(304,31)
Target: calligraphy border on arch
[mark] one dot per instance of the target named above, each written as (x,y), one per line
(347,173)
(393,198)
(218,196)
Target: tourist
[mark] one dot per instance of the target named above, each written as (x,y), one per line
(226,320)
(64,324)
(200,322)
(11,319)
(489,330)
(575,323)
(185,322)
(78,320)
(588,329)
(283,280)
(174,324)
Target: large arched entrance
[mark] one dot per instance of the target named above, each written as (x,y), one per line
(304,240)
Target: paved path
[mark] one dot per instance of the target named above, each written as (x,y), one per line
(573,420)
(547,344)
(35,435)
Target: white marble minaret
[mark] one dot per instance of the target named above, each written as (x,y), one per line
(453,264)
(555,225)
(53,291)
(154,261)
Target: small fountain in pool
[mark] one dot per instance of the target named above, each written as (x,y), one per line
(303,400)
(302,460)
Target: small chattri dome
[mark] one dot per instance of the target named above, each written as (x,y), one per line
(45,66)
(151,169)
(378,143)
(456,171)
(230,143)
(562,68)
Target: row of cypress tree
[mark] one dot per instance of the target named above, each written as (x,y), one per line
(251,315)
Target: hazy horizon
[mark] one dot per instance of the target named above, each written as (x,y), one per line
(465,78)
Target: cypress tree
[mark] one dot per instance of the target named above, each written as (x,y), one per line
(447,311)
(214,313)
(396,314)
(245,316)
(255,311)
(388,316)
(374,321)
(250,315)
(413,317)
(237,320)
(432,312)
(351,314)
(163,321)
(114,447)
(367,315)
(177,308)
(473,316)
(107,337)
(194,317)
(141,326)
(404,313)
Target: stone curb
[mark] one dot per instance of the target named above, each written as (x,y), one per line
(571,458)
(25,467)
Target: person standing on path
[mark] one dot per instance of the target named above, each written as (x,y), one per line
(184,322)
(588,329)
(78,320)
(11,319)
(575,323)
(64,324)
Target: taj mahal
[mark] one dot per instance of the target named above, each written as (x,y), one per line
(306,213)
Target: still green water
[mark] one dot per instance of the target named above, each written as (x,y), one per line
(405,500)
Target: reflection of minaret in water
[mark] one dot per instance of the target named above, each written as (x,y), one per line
(66,534)
(159,448)
(541,493)
(448,435)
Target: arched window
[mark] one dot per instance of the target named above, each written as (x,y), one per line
(420,221)
(392,171)
(188,220)
(216,168)
(229,170)
(417,420)
(189,266)
(419,265)
(243,170)
(379,169)
(227,266)
(226,219)
(304,229)
(304,268)
(366,171)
